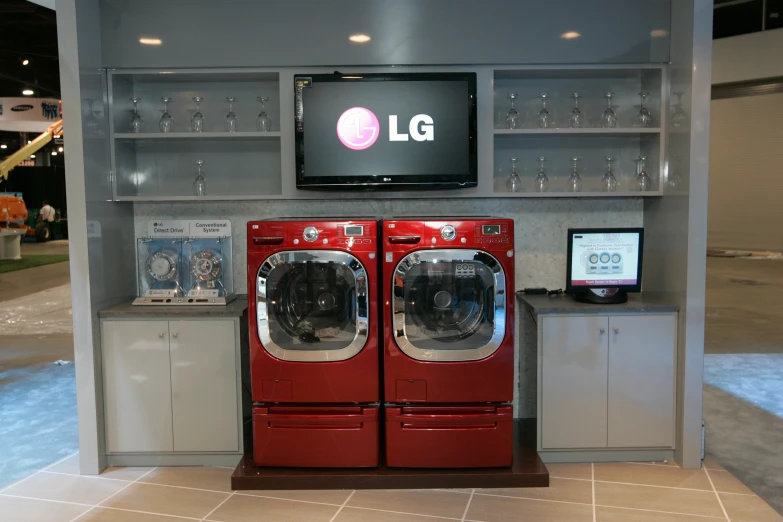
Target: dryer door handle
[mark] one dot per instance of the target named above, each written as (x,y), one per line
(274,240)
(404,240)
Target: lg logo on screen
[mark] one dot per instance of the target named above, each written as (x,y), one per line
(358,128)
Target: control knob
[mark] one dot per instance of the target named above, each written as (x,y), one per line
(310,234)
(448,232)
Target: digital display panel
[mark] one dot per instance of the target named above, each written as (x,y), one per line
(354,230)
(490,230)
(605,259)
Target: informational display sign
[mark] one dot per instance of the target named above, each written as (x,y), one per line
(605,259)
(189,228)
(28,114)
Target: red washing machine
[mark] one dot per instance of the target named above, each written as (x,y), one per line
(448,288)
(314,361)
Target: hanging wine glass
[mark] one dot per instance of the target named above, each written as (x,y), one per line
(197,121)
(263,123)
(609,182)
(609,118)
(166,121)
(541,183)
(513,182)
(231,118)
(577,119)
(134,125)
(91,123)
(679,116)
(199,184)
(675,179)
(513,120)
(574,183)
(544,118)
(643,117)
(643,181)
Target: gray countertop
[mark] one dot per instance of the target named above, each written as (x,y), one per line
(563,304)
(235,308)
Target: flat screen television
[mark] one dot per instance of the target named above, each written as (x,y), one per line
(603,264)
(396,131)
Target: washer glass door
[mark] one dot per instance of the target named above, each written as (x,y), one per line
(449,305)
(312,305)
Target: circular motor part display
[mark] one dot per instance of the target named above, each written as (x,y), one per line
(205,266)
(162,266)
(604,257)
(616,258)
(593,258)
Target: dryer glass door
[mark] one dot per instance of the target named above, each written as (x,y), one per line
(312,305)
(449,305)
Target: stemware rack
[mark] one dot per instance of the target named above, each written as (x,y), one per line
(154,166)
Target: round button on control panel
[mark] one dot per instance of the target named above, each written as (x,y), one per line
(310,234)
(448,232)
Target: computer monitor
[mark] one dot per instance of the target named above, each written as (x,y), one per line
(604,264)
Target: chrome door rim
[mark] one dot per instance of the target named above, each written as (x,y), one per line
(313,256)
(398,305)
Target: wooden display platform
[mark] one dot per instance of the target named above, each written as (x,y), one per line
(527,471)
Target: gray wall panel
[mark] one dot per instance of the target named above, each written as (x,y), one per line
(205,33)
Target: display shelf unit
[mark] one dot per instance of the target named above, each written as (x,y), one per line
(156,166)
(591,143)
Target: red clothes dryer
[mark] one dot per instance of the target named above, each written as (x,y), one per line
(314,361)
(448,289)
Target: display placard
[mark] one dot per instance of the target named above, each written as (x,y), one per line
(168,228)
(189,228)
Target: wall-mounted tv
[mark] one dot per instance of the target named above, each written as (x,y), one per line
(385,131)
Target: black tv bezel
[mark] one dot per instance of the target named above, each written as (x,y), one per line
(397,181)
(575,289)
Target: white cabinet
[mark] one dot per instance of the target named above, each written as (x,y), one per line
(137,386)
(170,386)
(607,382)
(574,384)
(203,386)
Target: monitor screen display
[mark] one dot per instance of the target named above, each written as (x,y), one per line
(387,130)
(605,258)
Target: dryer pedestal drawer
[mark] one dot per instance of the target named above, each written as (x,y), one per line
(449,436)
(316,437)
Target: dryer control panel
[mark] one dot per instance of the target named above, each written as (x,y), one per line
(485,233)
(359,235)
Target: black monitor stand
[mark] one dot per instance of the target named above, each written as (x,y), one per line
(601,296)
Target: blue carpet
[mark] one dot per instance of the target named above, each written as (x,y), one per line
(753,377)
(37,418)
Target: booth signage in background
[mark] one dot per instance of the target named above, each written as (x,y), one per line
(28,114)
(189,228)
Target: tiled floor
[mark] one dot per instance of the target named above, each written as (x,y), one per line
(659,492)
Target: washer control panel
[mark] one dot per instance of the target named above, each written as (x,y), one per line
(465,270)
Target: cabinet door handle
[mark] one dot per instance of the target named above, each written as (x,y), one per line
(602,331)
(175,335)
(616,330)
(161,335)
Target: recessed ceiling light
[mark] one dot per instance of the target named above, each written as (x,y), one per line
(360,38)
(25,62)
(60,149)
(659,33)
(54,153)
(352,77)
(3,146)
(29,142)
(28,92)
(150,41)
(570,35)
(32,156)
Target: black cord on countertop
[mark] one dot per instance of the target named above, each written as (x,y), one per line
(539,291)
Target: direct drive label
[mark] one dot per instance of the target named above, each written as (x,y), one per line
(168,228)
(189,228)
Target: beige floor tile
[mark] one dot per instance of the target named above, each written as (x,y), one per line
(711,462)
(166,500)
(604,514)
(25,510)
(564,490)
(417,501)
(216,479)
(115,515)
(69,465)
(240,508)
(364,515)
(669,476)
(658,499)
(67,488)
(725,482)
(500,509)
(325,496)
(573,471)
(746,508)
